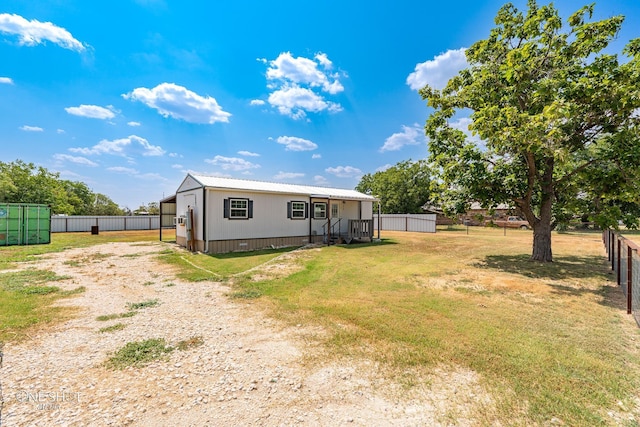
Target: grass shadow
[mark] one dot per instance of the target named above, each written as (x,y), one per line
(248,254)
(360,245)
(563,267)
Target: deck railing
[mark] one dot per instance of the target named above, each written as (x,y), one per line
(361,228)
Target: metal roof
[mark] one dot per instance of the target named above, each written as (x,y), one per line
(276,187)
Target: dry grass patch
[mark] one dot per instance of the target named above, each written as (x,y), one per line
(548,342)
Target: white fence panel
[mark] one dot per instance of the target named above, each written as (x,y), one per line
(62,224)
(421,223)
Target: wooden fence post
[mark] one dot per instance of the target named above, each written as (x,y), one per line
(629,279)
(613,251)
(618,265)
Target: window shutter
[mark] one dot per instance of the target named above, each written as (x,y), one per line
(306,210)
(250,202)
(226,208)
(289,210)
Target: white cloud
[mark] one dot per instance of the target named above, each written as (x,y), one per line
(320,180)
(257,102)
(31,33)
(324,60)
(316,156)
(384,167)
(344,171)
(175,155)
(91,111)
(177,166)
(121,169)
(6,81)
(133,124)
(248,154)
(437,72)
(117,147)
(295,101)
(28,128)
(410,135)
(287,175)
(175,101)
(303,71)
(60,131)
(296,83)
(293,143)
(232,163)
(74,159)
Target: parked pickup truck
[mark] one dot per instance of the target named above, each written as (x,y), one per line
(512,222)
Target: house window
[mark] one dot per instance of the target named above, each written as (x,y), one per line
(238,208)
(297,210)
(319,210)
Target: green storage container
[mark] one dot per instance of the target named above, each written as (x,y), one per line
(24,224)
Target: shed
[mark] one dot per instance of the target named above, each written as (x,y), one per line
(218,215)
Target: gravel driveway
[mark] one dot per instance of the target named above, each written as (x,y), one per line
(249,370)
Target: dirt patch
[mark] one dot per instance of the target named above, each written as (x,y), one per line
(249,369)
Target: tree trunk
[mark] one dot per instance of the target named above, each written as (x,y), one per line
(542,243)
(542,225)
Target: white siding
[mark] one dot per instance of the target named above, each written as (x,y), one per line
(189,183)
(192,198)
(269,217)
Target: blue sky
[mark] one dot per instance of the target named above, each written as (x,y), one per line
(130,95)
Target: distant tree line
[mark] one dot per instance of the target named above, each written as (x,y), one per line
(403,188)
(22,182)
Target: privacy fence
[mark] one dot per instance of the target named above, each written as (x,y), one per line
(422,223)
(63,224)
(625,262)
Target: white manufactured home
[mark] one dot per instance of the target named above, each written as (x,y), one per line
(218,215)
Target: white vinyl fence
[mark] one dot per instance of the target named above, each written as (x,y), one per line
(421,223)
(62,224)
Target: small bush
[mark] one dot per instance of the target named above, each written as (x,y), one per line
(143,304)
(192,342)
(139,353)
(112,328)
(105,317)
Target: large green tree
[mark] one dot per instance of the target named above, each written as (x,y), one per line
(557,116)
(22,182)
(402,188)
